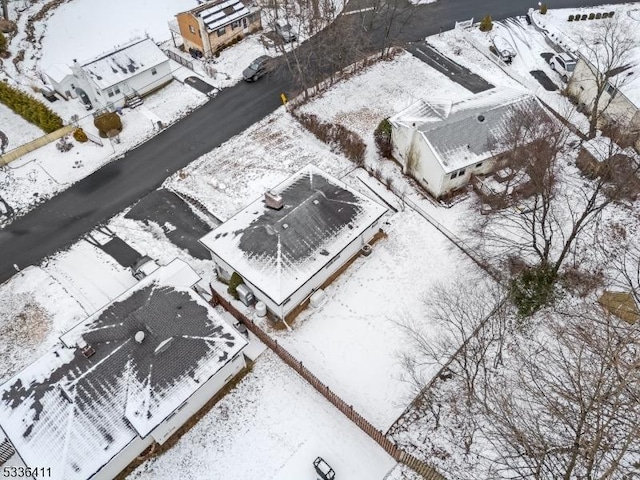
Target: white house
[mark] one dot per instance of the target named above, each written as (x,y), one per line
(115,79)
(441,144)
(620,102)
(284,254)
(128,376)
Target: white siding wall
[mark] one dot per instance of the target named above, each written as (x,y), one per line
(582,85)
(320,277)
(123,458)
(462,180)
(142,83)
(212,386)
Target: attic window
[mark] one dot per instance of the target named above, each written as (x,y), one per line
(154,71)
(192,29)
(611,90)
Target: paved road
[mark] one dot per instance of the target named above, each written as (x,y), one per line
(92,201)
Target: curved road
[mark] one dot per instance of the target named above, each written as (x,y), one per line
(66,217)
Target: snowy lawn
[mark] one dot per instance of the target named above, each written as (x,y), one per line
(16,128)
(226,179)
(271,426)
(35,309)
(353,342)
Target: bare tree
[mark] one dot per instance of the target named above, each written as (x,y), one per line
(554,206)
(607,55)
(566,404)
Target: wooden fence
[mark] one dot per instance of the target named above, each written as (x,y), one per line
(34,145)
(427,471)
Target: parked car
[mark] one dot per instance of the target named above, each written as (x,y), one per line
(257,68)
(564,64)
(503,49)
(285,32)
(324,471)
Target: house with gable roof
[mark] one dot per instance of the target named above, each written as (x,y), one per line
(442,144)
(129,375)
(116,78)
(212,25)
(287,244)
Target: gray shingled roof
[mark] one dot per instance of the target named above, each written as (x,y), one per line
(279,250)
(74,413)
(466,134)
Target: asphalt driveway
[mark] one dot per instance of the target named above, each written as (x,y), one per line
(459,74)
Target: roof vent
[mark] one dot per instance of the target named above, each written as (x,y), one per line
(273,200)
(139,336)
(481,118)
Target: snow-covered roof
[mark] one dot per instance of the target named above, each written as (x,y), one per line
(124,62)
(217,14)
(278,251)
(74,413)
(58,72)
(461,136)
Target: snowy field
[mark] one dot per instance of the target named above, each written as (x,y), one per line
(271,426)
(353,342)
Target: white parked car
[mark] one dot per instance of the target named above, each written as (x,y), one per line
(564,64)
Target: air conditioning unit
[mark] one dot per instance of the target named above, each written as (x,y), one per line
(366,250)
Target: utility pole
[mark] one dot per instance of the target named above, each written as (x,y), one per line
(5,9)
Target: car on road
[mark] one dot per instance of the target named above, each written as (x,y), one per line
(257,68)
(285,32)
(564,64)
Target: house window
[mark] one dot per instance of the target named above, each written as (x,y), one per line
(222,31)
(111,91)
(192,29)
(235,25)
(154,71)
(478,165)
(453,175)
(244,22)
(611,90)
(461,172)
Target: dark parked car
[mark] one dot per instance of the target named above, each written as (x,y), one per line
(257,68)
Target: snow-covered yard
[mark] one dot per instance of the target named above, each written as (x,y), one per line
(272,426)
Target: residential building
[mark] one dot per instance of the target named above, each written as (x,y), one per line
(115,79)
(287,245)
(129,375)
(442,144)
(619,103)
(210,26)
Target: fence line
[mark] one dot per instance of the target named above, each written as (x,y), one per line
(427,471)
(18,152)
(179,58)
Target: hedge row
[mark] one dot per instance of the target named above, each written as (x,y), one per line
(29,108)
(335,135)
(591,16)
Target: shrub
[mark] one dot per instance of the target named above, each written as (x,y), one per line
(611,14)
(592,16)
(107,123)
(234,281)
(3,43)
(335,135)
(80,136)
(29,108)
(598,16)
(584,17)
(570,18)
(486,24)
(382,137)
(543,9)
(533,289)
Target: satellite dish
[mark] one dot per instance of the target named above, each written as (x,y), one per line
(139,336)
